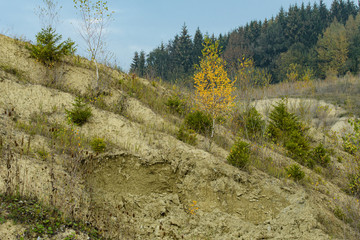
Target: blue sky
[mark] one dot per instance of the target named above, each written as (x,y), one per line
(143,24)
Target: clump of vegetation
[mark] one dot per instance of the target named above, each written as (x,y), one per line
(175,104)
(80,113)
(268,165)
(19,74)
(121,105)
(63,138)
(339,213)
(193,208)
(285,127)
(351,142)
(134,87)
(251,124)
(42,221)
(199,122)
(239,155)
(298,148)
(294,171)
(187,135)
(43,154)
(149,96)
(2,220)
(348,146)
(1,144)
(320,155)
(282,123)
(48,50)
(98,145)
(354,182)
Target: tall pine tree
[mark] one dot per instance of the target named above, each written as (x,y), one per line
(197,46)
(135,63)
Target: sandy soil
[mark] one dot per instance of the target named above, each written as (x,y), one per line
(146,185)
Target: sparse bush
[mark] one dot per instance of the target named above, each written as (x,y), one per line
(239,155)
(98,145)
(320,155)
(187,135)
(199,122)
(80,113)
(294,171)
(47,49)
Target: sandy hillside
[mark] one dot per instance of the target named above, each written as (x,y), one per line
(148,184)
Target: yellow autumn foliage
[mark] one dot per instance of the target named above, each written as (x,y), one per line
(213,88)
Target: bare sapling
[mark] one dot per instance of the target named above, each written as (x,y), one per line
(48,14)
(95,17)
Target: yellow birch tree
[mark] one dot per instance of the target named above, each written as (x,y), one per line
(213,88)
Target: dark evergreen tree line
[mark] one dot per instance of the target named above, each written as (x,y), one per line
(298,37)
(173,61)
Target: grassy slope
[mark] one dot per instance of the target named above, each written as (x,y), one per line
(146,183)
